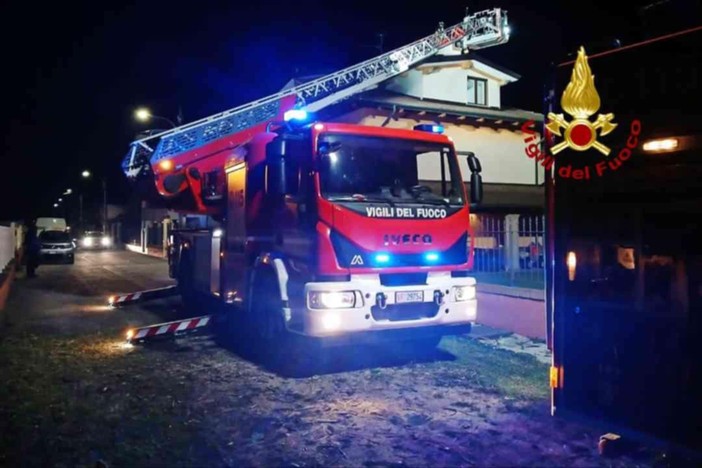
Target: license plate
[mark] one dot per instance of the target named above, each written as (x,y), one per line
(402,297)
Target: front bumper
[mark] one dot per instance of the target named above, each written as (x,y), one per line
(48,254)
(445,314)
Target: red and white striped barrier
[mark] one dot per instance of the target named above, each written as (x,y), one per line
(175,328)
(126,299)
(117,300)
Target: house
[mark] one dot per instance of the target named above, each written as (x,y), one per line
(461,92)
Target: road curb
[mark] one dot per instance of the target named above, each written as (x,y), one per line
(151,252)
(510,291)
(6,278)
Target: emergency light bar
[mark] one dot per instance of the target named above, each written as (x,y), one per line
(295,114)
(429,128)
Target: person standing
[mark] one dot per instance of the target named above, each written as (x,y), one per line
(32,248)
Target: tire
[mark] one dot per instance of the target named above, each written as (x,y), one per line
(265,312)
(185,283)
(272,343)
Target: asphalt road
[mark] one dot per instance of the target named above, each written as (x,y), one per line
(72,299)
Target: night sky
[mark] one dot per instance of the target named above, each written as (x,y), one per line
(75,71)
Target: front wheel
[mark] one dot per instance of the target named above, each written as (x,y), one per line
(266,314)
(272,343)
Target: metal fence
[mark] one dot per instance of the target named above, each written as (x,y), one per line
(509,249)
(8,244)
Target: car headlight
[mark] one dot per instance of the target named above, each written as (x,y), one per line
(332,299)
(464,293)
(88,242)
(105,241)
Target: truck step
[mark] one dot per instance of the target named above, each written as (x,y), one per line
(141,296)
(168,329)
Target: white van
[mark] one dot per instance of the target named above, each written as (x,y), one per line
(51,224)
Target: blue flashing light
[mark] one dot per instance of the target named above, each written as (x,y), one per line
(431,256)
(430,128)
(295,114)
(382,258)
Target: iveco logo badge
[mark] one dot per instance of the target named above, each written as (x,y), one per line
(357,260)
(402,239)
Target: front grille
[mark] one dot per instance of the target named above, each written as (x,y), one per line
(403,279)
(404,312)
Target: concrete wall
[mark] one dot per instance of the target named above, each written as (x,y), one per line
(521,311)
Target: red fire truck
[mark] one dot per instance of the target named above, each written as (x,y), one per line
(330,230)
(323,229)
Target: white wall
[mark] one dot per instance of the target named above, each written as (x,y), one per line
(501,152)
(448,82)
(409,83)
(7,245)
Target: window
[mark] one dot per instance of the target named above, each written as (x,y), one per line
(358,168)
(55,236)
(477,91)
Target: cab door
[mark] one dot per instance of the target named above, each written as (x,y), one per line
(234,256)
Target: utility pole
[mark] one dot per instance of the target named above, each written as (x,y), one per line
(80,211)
(104,206)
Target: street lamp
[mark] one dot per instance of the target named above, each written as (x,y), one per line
(55,205)
(68,192)
(60,200)
(143,114)
(86,174)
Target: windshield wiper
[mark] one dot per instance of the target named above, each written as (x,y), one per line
(365,199)
(431,201)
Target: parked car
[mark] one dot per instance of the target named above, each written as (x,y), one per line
(95,240)
(56,246)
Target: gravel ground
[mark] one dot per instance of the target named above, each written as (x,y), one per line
(73,394)
(75,401)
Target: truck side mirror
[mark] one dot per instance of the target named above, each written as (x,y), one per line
(476,180)
(275,167)
(473,163)
(476,188)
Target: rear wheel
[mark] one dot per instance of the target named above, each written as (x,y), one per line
(185,282)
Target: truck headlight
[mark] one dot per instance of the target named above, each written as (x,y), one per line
(331,299)
(464,293)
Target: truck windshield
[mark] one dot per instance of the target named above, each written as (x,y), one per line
(365,168)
